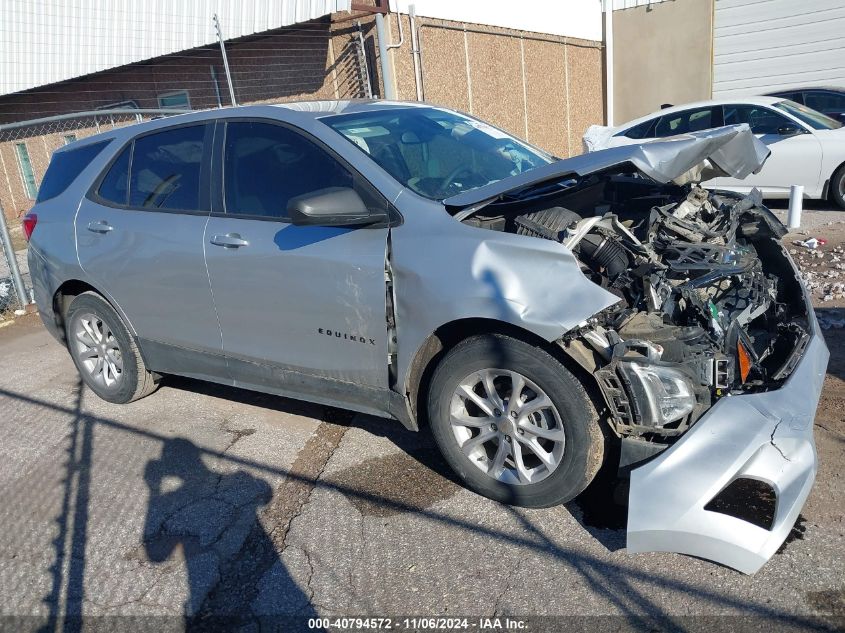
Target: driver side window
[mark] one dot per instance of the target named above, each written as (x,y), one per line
(760,119)
(265,165)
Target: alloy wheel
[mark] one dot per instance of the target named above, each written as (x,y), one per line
(507,426)
(97,350)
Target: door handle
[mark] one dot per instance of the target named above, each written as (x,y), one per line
(230,240)
(100,227)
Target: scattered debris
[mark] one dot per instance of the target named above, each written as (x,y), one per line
(7,295)
(812,243)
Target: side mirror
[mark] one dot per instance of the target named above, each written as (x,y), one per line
(789,130)
(334,206)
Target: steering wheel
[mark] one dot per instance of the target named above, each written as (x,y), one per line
(452,176)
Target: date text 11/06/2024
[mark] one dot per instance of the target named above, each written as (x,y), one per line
(416,624)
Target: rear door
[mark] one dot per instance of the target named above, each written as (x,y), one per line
(301,308)
(694,120)
(795,160)
(671,124)
(139,237)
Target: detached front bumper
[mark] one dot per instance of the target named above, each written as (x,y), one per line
(766,437)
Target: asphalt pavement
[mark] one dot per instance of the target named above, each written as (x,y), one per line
(202,502)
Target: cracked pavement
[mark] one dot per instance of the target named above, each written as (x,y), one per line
(201,502)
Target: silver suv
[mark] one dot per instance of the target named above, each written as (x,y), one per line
(545,317)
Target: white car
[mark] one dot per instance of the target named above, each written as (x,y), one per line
(808,147)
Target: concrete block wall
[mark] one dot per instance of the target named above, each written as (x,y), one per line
(545,89)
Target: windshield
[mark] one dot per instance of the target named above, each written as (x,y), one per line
(813,118)
(437,153)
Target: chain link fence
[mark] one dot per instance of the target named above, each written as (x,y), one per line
(14,288)
(31,144)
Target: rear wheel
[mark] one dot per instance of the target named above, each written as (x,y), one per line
(104,352)
(837,187)
(514,423)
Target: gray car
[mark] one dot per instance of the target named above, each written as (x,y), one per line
(544,317)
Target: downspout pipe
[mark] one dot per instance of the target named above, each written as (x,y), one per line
(401,33)
(607,9)
(384,59)
(415,51)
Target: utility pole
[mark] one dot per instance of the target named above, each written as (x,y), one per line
(225,60)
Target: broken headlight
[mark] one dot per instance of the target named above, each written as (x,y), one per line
(662,394)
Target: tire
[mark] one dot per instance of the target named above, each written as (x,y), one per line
(568,466)
(837,187)
(104,352)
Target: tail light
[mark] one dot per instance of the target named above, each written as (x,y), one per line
(29,222)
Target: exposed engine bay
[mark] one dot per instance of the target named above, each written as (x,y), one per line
(710,304)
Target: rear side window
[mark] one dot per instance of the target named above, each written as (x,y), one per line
(688,121)
(115,184)
(639,131)
(166,168)
(65,167)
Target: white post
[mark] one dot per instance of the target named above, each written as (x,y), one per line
(384,59)
(796,200)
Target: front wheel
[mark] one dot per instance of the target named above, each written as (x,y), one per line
(837,187)
(514,423)
(104,352)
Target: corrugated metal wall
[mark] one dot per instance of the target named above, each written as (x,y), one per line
(45,41)
(764,45)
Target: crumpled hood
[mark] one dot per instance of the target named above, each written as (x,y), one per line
(698,156)
(694,157)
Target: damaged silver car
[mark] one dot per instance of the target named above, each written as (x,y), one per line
(545,318)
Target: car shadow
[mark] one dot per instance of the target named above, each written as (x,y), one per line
(419,476)
(419,446)
(832,321)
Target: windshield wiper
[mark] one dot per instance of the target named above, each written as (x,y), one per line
(540,190)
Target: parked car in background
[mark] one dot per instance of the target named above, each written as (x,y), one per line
(829,101)
(412,262)
(808,147)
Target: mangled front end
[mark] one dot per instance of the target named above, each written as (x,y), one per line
(710,363)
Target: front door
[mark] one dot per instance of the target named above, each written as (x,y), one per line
(796,158)
(301,309)
(140,239)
